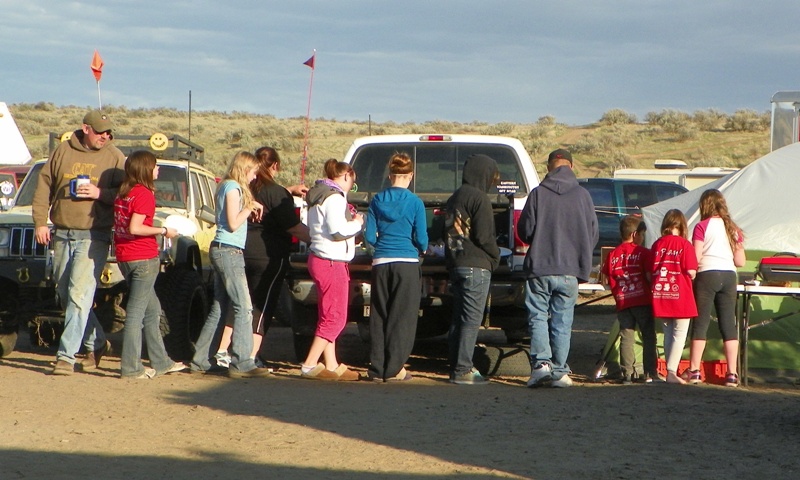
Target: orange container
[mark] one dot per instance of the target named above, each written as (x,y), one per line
(712,371)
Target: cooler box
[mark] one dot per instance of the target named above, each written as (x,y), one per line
(779,269)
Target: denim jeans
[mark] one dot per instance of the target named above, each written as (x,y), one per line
(79,258)
(143,316)
(470,287)
(230,292)
(550,301)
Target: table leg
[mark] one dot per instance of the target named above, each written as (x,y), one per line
(744,338)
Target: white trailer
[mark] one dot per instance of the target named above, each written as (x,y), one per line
(785,125)
(676,171)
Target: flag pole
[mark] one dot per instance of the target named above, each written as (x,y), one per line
(99,100)
(310,62)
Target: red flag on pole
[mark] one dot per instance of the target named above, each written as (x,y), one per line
(97,66)
(310,61)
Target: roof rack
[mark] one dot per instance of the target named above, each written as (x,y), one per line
(174,147)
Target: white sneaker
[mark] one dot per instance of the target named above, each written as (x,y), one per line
(147,374)
(177,367)
(540,375)
(562,382)
(223,359)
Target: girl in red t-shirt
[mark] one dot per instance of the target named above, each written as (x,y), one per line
(137,255)
(674,267)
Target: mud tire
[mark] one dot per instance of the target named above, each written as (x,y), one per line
(7,343)
(184,308)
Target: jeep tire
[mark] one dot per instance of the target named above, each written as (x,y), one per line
(7,342)
(183,302)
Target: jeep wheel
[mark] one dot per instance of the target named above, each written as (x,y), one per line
(7,343)
(502,361)
(9,321)
(108,307)
(183,300)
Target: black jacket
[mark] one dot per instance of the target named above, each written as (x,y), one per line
(470,239)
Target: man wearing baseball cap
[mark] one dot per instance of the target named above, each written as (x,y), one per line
(82,233)
(560,225)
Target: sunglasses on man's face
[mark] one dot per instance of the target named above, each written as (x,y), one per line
(107,132)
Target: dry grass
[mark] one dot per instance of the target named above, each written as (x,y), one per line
(615,141)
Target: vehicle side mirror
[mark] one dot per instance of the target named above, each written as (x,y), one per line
(206,214)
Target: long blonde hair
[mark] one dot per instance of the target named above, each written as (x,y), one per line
(241,164)
(712,203)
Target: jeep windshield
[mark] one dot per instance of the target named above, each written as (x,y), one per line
(170,187)
(437,166)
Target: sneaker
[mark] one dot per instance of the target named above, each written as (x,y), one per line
(63,367)
(147,374)
(223,359)
(652,378)
(540,375)
(402,376)
(731,380)
(214,370)
(627,380)
(260,363)
(473,377)
(254,373)
(692,376)
(563,382)
(92,360)
(176,367)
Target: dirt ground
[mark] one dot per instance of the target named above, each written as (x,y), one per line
(184,427)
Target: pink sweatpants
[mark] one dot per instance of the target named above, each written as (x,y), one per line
(332,280)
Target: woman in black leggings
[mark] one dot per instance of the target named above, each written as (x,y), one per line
(718,244)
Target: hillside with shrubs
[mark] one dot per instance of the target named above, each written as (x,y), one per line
(617,140)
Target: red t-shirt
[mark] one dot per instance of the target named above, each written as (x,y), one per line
(626,268)
(134,247)
(673,296)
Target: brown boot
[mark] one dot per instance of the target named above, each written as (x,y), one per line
(63,367)
(92,360)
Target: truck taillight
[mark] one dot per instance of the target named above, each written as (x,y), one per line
(435,138)
(520,247)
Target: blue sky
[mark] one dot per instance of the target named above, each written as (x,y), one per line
(471,60)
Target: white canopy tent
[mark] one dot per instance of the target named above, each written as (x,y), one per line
(763,200)
(13,150)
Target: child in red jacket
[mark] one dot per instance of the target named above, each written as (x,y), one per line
(674,267)
(628,274)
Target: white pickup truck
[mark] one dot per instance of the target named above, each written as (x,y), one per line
(438,160)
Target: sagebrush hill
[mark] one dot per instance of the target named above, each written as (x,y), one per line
(617,140)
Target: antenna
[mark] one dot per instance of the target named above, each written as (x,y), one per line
(190,114)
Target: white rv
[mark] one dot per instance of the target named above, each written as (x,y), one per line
(676,171)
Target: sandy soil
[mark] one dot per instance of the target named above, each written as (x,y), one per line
(181,426)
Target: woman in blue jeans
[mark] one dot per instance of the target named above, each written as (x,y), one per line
(234,204)
(137,254)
